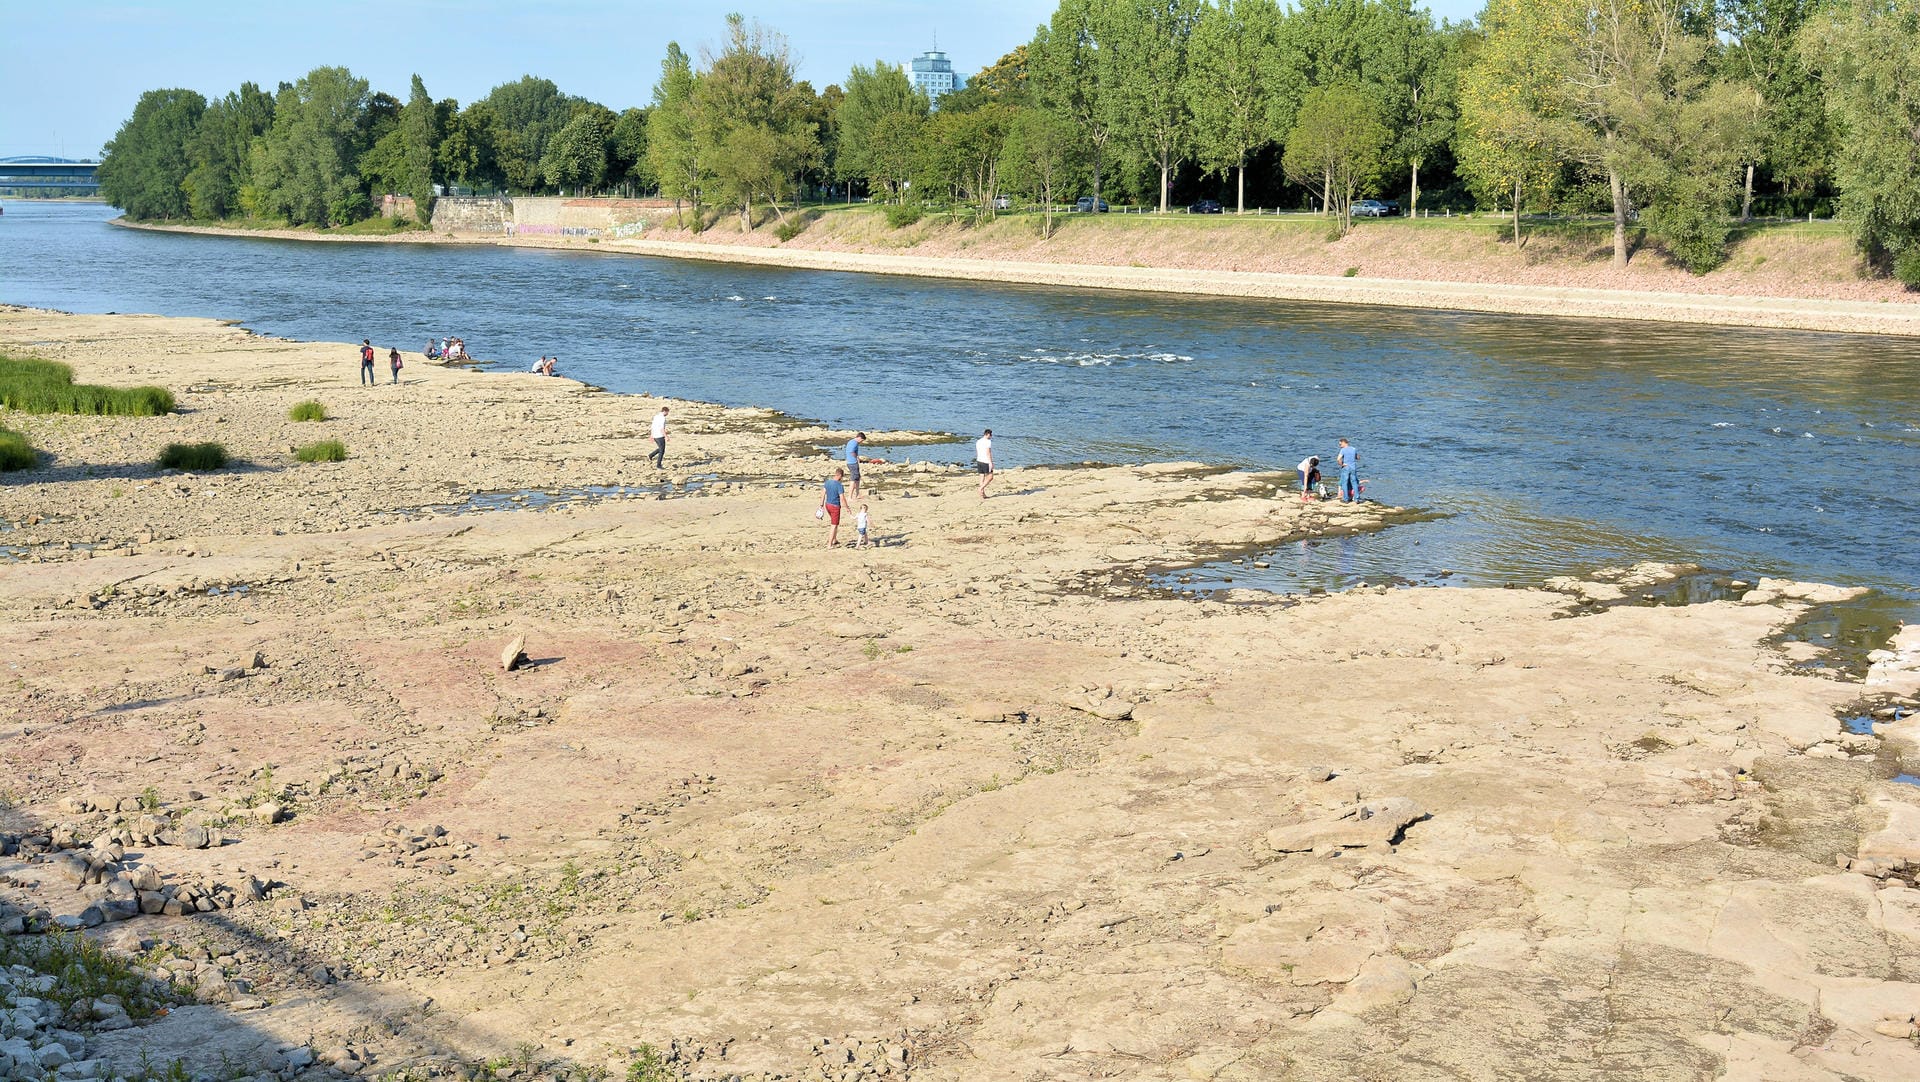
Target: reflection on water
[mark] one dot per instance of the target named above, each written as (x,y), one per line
(1550,446)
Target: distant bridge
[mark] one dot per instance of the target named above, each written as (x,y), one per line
(37,175)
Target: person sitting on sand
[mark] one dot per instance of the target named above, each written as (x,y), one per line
(539,366)
(546,367)
(830,500)
(1309,476)
(433,349)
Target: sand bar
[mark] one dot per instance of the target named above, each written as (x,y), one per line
(970,804)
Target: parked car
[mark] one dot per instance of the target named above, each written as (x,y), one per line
(1206,206)
(1393,207)
(1003,202)
(1088,204)
(1371,208)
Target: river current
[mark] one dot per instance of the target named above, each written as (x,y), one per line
(1545,446)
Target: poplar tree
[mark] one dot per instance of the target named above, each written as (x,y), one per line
(1227,88)
(1508,94)
(1071,72)
(1148,41)
(218,184)
(420,133)
(671,153)
(307,165)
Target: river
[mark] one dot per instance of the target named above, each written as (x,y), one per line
(1546,446)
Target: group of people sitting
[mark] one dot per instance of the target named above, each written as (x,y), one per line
(545,365)
(451,349)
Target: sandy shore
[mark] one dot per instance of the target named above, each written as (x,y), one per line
(1884,315)
(970,804)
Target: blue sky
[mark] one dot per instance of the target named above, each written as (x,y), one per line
(70,72)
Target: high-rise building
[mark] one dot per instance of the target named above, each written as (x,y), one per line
(933,72)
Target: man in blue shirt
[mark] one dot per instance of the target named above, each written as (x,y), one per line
(830,505)
(1349,473)
(853,462)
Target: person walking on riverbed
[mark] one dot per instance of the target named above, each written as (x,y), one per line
(831,499)
(1349,473)
(659,454)
(366,362)
(853,463)
(393,358)
(983,460)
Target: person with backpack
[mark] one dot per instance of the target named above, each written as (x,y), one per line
(366,361)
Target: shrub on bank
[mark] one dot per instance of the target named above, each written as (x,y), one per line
(193,456)
(15,452)
(901,215)
(322,451)
(1907,267)
(310,410)
(33,386)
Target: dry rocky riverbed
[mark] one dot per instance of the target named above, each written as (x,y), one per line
(970,804)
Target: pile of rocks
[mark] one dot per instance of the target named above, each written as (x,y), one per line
(35,1043)
(427,846)
(853,1059)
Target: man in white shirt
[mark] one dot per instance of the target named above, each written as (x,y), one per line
(659,454)
(983,459)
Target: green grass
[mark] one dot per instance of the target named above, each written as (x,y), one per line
(322,451)
(309,410)
(33,386)
(15,452)
(193,456)
(375,227)
(83,971)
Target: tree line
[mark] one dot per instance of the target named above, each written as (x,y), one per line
(1675,118)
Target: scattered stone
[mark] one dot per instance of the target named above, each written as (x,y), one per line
(515,655)
(1372,823)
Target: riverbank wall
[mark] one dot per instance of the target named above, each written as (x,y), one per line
(548,216)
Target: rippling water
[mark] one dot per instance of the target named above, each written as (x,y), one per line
(1548,445)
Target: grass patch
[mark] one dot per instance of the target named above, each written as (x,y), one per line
(193,456)
(33,386)
(375,227)
(15,452)
(310,410)
(322,451)
(83,970)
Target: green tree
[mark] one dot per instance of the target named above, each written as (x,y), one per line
(306,167)
(752,132)
(1787,133)
(1433,102)
(531,112)
(145,165)
(1509,88)
(627,156)
(1227,85)
(577,156)
(469,154)
(219,176)
(1338,142)
(871,94)
(421,131)
(672,154)
(1073,77)
(1867,52)
(1004,80)
(894,154)
(1150,39)
(1039,157)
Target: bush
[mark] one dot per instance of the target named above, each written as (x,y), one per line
(15,452)
(193,456)
(901,215)
(790,229)
(32,386)
(322,451)
(309,410)
(1907,267)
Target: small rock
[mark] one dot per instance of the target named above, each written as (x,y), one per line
(515,655)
